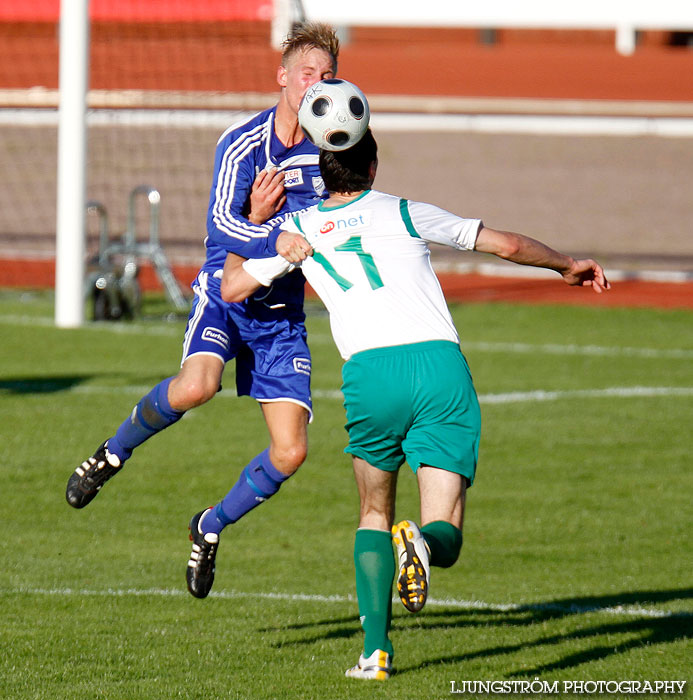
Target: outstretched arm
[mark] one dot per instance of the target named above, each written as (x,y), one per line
(241,277)
(236,283)
(528,251)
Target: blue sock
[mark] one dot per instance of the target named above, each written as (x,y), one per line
(151,415)
(258,481)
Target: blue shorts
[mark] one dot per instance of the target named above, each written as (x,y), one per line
(272,355)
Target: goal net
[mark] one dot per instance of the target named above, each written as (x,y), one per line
(166,78)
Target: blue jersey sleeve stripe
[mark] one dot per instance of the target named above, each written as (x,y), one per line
(229,181)
(227,187)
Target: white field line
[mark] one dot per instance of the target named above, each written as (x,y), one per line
(571,349)
(620,392)
(572,608)
(502,398)
(136,328)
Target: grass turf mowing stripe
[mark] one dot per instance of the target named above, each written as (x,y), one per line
(618,610)
(167,329)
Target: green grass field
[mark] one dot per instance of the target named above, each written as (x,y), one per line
(577,558)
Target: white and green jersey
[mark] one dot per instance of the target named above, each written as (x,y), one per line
(371,268)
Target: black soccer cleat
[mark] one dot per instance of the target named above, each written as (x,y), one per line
(87,480)
(200,572)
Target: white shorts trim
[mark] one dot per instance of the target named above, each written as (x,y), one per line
(289,400)
(202,352)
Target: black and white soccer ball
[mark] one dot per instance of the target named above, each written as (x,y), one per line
(334,114)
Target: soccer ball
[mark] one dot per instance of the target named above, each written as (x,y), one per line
(334,114)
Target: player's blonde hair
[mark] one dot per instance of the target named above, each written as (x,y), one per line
(311,35)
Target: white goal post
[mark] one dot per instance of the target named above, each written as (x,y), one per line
(72,159)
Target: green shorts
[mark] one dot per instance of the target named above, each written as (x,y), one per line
(415,403)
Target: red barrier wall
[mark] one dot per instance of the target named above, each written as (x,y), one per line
(142,10)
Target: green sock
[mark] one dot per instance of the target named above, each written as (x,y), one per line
(375,572)
(444,541)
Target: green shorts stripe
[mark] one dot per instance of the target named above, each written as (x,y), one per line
(413,403)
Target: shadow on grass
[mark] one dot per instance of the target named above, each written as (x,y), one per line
(641,627)
(41,385)
(339,628)
(56,384)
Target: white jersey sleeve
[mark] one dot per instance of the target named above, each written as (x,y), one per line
(266,270)
(436,225)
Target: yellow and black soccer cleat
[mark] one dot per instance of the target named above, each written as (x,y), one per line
(414,570)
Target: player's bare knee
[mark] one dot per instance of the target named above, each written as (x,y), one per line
(288,458)
(190,393)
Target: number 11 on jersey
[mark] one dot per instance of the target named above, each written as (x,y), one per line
(352,245)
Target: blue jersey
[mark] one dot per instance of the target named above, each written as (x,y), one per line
(243,151)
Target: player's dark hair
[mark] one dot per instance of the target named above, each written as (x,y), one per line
(311,35)
(349,170)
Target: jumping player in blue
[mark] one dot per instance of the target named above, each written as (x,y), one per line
(265,171)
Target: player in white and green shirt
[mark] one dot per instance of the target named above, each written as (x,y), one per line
(408,392)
